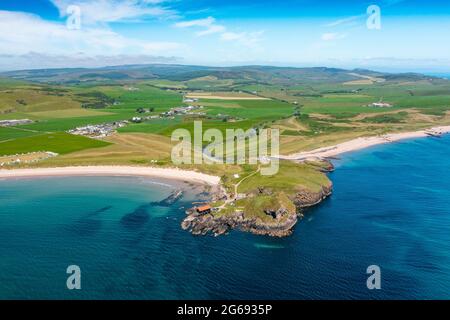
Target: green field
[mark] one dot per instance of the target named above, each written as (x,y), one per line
(250,114)
(9,133)
(290,178)
(58,142)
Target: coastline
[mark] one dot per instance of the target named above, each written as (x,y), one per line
(363,143)
(204,224)
(166,173)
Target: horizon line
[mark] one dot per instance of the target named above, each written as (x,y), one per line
(288,66)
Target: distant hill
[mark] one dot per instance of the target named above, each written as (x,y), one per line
(248,74)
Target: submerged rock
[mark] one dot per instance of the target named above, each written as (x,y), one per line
(88,225)
(137,218)
(170,200)
(99,211)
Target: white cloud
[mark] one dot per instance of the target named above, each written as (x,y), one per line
(208,24)
(212,29)
(331,36)
(230,36)
(344,21)
(248,39)
(35,60)
(32,34)
(104,11)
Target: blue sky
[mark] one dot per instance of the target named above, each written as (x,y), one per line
(413,35)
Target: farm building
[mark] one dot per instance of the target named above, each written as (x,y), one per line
(204,209)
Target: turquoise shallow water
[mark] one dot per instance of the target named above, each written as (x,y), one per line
(390,207)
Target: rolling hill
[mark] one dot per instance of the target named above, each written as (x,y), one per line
(238,75)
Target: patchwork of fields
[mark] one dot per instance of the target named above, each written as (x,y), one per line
(313,109)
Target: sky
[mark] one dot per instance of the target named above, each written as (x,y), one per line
(388,35)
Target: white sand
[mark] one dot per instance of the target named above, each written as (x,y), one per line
(168,173)
(361,143)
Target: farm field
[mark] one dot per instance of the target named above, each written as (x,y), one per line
(57,142)
(312,108)
(224,96)
(14,133)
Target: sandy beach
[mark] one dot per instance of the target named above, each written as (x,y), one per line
(167,173)
(365,142)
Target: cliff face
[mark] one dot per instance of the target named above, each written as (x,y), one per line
(280,225)
(305,198)
(202,225)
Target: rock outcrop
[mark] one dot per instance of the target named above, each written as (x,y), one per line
(322,165)
(204,224)
(280,223)
(305,198)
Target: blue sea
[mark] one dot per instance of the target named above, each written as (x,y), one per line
(390,207)
(440,75)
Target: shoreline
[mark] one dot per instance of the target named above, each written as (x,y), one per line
(166,173)
(364,142)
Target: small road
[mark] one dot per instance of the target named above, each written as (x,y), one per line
(236,186)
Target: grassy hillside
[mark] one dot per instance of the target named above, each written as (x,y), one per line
(199,76)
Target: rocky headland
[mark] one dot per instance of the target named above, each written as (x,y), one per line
(279,221)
